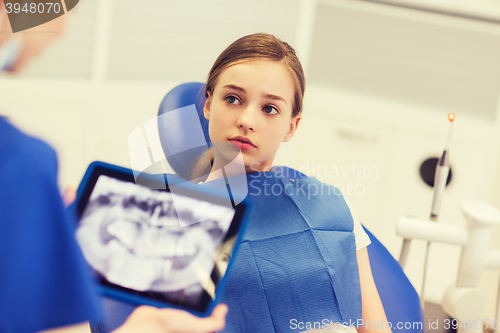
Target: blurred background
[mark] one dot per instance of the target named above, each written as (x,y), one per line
(381,78)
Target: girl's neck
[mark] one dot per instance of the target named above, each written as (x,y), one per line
(235,169)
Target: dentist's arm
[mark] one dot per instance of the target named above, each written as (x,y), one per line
(150,319)
(153,320)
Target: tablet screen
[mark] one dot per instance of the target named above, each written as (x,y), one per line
(150,243)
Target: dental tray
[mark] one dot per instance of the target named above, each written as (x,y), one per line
(150,243)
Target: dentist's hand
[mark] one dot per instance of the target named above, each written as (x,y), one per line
(153,320)
(69,196)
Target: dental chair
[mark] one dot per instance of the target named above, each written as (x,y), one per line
(400,300)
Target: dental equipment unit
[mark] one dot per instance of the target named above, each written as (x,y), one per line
(463,300)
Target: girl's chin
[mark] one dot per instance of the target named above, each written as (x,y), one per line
(244,162)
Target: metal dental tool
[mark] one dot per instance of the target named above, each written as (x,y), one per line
(440,178)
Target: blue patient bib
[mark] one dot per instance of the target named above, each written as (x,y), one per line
(297,261)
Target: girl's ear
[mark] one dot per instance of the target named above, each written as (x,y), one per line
(206,108)
(294,123)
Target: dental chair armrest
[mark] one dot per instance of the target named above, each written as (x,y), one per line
(412,228)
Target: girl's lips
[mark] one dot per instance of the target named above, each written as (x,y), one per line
(242,145)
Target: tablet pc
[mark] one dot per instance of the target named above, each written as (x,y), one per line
(154,246)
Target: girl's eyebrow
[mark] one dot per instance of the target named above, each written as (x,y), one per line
(275,97)
(232,86)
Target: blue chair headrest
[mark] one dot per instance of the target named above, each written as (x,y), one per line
(177,135)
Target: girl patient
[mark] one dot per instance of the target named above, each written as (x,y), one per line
(303,263)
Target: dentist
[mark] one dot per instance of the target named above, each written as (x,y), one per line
(44,285)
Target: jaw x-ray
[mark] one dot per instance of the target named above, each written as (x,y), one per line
(133,238)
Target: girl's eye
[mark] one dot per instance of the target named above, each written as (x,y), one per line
(270,109)
(232,100)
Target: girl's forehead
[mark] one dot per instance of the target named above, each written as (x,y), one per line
(259,76)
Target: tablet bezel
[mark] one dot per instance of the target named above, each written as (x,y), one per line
(237,227)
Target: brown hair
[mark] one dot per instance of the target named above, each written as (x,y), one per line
(259,46)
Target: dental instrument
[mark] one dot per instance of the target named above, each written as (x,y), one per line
(440,179)
(442,171)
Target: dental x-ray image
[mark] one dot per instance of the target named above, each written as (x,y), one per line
(132,237)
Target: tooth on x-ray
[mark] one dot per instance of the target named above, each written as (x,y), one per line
(125,232)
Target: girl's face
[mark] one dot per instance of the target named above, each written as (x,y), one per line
(251,110)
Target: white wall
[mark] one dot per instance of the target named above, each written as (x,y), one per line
(383,120)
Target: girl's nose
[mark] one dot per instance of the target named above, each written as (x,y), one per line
(247,119)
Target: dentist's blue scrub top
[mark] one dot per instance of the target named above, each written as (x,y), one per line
(43,278)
